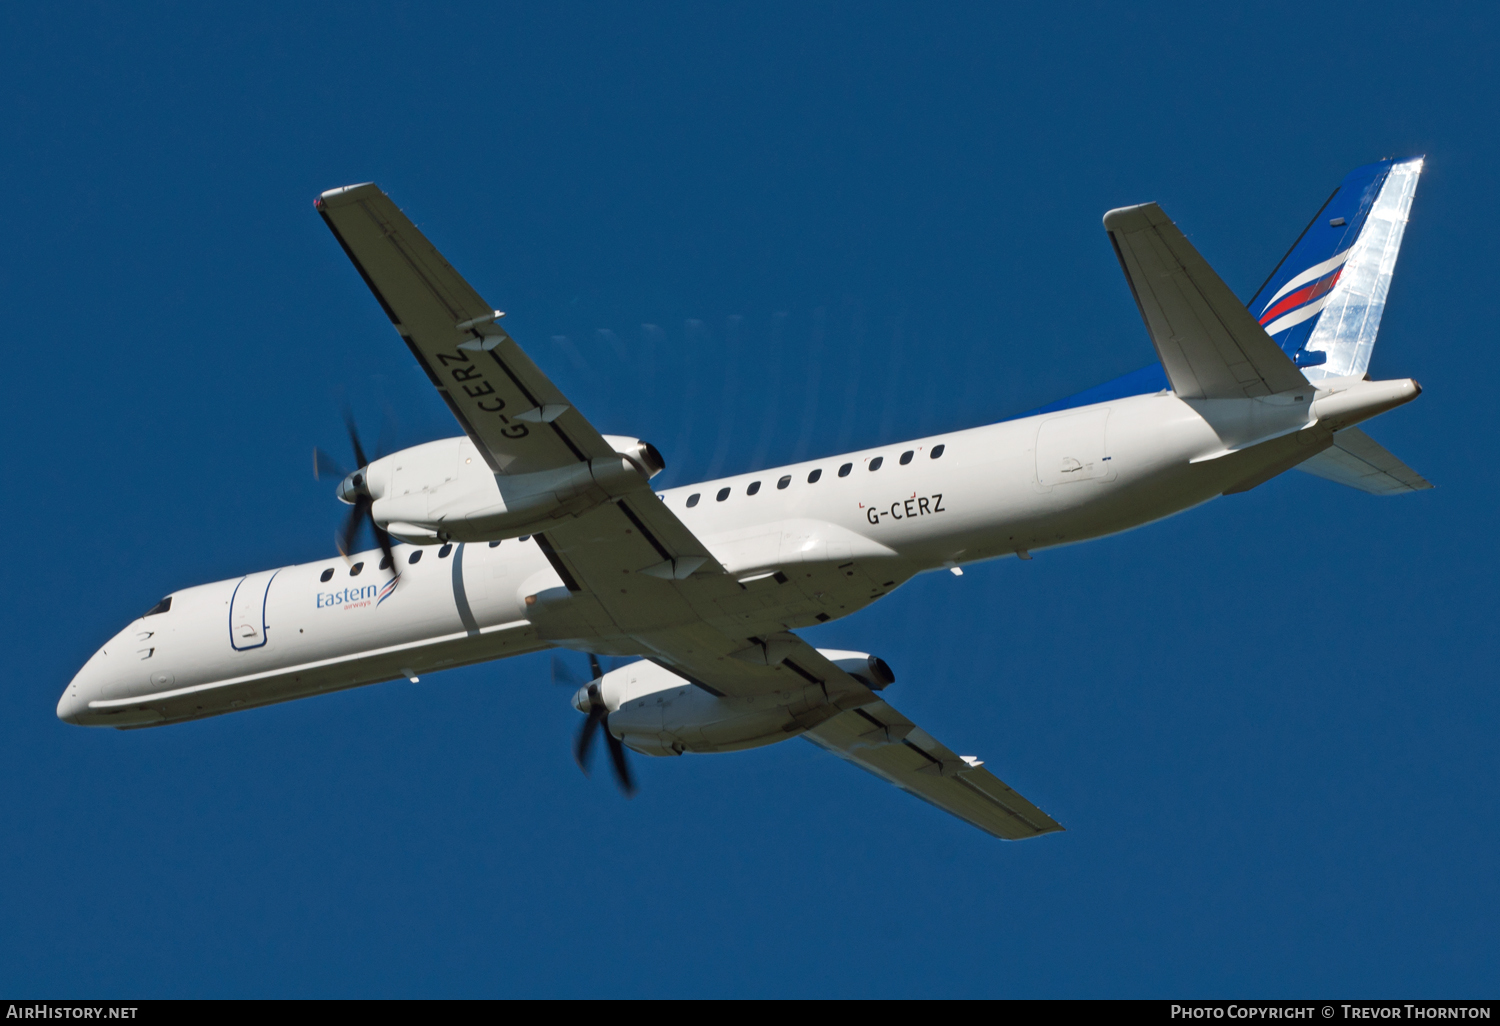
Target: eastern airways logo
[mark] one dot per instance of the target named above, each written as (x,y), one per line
(357,598)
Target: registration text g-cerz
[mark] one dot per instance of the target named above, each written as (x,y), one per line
(905,509)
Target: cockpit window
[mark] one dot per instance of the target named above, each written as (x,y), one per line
(161,607)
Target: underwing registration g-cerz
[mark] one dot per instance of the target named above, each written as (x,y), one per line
(532,529)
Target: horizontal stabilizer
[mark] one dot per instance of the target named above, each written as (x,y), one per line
(1357,460)
(880,740)
(1210,345)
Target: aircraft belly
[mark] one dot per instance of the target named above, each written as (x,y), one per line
(354,671)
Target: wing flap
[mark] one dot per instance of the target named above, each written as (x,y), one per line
(645,567)
(1210,345)
(1357,460)
(497,394)
(736,667)
(879,740)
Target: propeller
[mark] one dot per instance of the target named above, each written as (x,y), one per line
(598,719)
(356,492)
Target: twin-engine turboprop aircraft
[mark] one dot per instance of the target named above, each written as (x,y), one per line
(533,530)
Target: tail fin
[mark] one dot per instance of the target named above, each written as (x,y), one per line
(1322,303)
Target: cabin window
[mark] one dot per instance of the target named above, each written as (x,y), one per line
(326,576)
(784,481)
(162,606)
(355,569)
(723,494)
(524,537)
(906,457)
(416,555)
(812,478)
(876,462)
(445,550)
(494,545)
(937,450)
(844,470)
(385,562)
(754,487)
(693,499)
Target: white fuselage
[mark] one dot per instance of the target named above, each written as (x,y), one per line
(846,540)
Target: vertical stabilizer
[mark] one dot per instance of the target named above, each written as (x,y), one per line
(1323,302)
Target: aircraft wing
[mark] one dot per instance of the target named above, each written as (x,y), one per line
(518,419)
(636,578)
(1210,345)
(1357,460)
(879,739)
(634,573)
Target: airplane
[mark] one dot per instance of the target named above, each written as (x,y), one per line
(532,530)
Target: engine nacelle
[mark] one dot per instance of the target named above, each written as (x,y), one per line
(871,671)
(656,712)
(642,453)
(444,491)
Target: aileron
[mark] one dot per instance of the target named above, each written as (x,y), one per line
(879,740)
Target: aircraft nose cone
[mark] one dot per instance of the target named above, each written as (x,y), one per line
(86,685)
(72,704)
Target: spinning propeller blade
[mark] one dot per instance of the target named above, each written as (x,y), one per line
(598,719)
(359,450)
(563,676)
(325,465)
(585,738)
(617,755)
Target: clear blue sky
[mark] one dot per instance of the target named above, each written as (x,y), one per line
(1269,724)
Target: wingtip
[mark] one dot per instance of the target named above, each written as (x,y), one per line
(1134,218)
(343,192)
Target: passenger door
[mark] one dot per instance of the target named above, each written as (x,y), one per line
(247,611)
